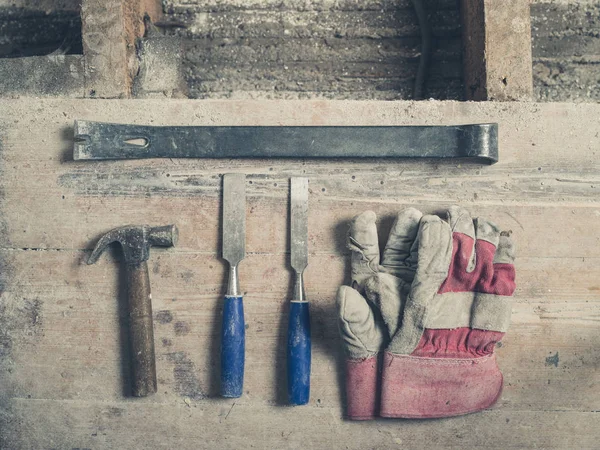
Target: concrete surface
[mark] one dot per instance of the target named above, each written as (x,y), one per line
(53,75)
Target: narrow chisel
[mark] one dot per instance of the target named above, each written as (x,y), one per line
(234,250)
(298,345)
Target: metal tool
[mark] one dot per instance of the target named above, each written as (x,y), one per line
(234,250)
(298,344)
(96,140)
(136,242)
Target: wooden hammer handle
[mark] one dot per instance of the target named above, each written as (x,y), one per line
(141,330)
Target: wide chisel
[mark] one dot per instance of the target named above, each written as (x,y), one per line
(298,344)
(234,250)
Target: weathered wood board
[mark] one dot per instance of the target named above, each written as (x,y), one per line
(63,372)
(497,50)
(341,49)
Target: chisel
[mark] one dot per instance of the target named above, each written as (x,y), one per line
(234,250)
(298,344)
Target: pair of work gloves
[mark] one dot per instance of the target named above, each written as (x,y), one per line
(420,322)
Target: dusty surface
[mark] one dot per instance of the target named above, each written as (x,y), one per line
(497,50)
(298,49)
(160,71)
(320,48)
(108,36)
(346,49)
(39,29)
(44,76)
(566,50)
(63,341)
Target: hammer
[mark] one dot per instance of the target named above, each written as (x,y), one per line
(136,242)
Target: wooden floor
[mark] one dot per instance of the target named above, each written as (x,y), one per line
(63,372)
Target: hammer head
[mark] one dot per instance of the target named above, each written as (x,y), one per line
(136,241)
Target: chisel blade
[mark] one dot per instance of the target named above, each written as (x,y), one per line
(234,217)
(299,223)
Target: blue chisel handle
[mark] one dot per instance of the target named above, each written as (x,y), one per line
(298,354)
(233,343)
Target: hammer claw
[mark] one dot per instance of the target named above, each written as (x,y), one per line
(136,241)
(102,243)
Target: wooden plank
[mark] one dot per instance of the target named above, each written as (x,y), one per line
(497,50)
(297,49)
(248,51)
(180,6)
(567,80)
(178,425)
(109,30)
(66,310)
(331,25)
(566,51)
(105,49)
(63,335)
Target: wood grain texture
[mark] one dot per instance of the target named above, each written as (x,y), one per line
(497,50)
(109,31)
(566,50)
(63,341)
(105,49)
(328,49)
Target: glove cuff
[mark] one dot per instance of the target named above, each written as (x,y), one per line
(422,388)
(362,393)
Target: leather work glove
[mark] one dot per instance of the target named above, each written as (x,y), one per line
(435,307)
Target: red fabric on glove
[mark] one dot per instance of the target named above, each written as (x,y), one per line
(362,388)
(425,388)
(458,343)
(444,304)
(451,371)
(486,277)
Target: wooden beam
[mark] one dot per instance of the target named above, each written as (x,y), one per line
(63,325)
(497,50)
(109,32)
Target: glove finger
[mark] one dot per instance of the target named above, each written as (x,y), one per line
(492,311)
(360,325)
(435,253)
(487,234)
(505,252)
(460,221)
(389,294)
(492,307)
(435,246)
(487,230)
(397,253)
(413,258)
(363,241)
